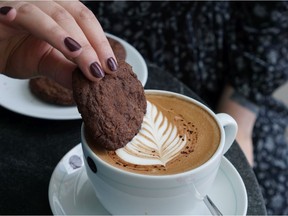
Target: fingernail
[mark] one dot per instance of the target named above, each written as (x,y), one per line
(96,70)
(5,10)
(71,44)
(112,64)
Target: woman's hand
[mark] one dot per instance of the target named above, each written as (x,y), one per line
(52,38)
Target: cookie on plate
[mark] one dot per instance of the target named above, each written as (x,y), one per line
(112,108)
(51,92)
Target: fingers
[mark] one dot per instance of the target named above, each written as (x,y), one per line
(67,28)
(94,33)
(32,19)
(88,60)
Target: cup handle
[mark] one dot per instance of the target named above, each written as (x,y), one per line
(230,127)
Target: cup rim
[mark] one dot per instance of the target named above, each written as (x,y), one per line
(176,175)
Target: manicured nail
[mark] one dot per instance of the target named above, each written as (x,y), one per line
(96,70)
(112,64)
(71,44)
(5,10)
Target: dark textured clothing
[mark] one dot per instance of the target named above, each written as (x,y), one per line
(210,44)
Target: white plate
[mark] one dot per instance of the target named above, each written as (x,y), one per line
(70,192)
(16,96)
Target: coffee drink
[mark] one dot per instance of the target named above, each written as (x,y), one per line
(176,135)
(174,157)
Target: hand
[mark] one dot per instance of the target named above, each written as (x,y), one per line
(52,38)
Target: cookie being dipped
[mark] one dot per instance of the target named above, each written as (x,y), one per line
(112,108)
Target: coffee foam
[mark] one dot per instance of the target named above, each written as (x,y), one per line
(158,141)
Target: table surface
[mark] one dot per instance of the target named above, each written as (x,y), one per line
(30,149)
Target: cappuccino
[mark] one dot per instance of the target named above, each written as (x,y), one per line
(176,135)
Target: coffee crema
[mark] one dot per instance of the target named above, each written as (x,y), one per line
(176,136)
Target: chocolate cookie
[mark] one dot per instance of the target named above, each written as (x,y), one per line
(51,92)
(112,108)
(117,48)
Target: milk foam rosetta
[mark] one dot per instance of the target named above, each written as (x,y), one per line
(157,142)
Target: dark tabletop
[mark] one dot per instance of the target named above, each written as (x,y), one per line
(30,149)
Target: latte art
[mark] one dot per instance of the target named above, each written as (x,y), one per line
(158,141)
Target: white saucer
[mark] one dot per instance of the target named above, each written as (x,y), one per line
(70,192)
(15,94)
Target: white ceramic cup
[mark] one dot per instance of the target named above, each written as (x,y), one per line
(123,192)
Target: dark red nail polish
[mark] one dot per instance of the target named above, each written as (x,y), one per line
(112,64)
(5,10)
(71,44)
(96,70)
